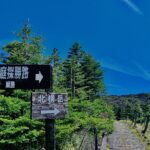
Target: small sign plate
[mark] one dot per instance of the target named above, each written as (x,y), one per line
(49,106)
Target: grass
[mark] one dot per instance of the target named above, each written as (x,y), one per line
(108,147)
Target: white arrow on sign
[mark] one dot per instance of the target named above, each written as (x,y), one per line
(55,112)
(39,77)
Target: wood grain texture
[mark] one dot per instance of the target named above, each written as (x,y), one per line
(41,101)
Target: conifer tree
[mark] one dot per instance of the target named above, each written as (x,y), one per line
(93,76)
(27,50)
(74,77)
(17,130)
(82,74)
(58,79)
(54,58)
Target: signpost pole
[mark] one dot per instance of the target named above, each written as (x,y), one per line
(50,134)
(50,125)
(32,77)
(96,140)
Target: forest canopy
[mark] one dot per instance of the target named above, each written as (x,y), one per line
(79,75)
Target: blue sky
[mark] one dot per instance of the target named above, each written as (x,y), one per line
(115,32)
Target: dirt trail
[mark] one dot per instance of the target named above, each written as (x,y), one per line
(123,139)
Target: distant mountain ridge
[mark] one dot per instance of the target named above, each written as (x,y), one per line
(117,99)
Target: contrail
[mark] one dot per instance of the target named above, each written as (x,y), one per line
(133,6)
(143,72)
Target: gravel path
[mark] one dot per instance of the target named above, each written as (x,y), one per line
(123,139)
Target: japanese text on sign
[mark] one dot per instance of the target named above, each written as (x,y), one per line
(50,99)
(14,72)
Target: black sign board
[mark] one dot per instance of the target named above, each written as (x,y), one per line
(25,76)
(49,105)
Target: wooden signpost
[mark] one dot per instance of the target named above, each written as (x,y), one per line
(45,105)
(49,106)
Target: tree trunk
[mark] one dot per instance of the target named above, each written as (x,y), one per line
(146,125)
(135,119)
(72,88)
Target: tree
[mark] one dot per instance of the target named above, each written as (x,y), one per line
(54,58)
(136,111)
(72,69)
(27,50)
(93,76)
(83,75)
(83,117)
(80,74)
(17,130)
(147,117)
(58,79)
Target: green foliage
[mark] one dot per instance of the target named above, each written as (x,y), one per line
(22,94)
(16,127)
(93,74)
(54,58)
(74,76)
(26,51)
(79,75)
(58,78)
(83,75)
(9,107)
(134,108)
(85,115)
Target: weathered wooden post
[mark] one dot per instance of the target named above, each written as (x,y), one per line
(96,140)
(50,134)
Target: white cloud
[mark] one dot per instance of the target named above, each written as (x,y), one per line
(132,68)
(143,71)
(133,6)
(118,65)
